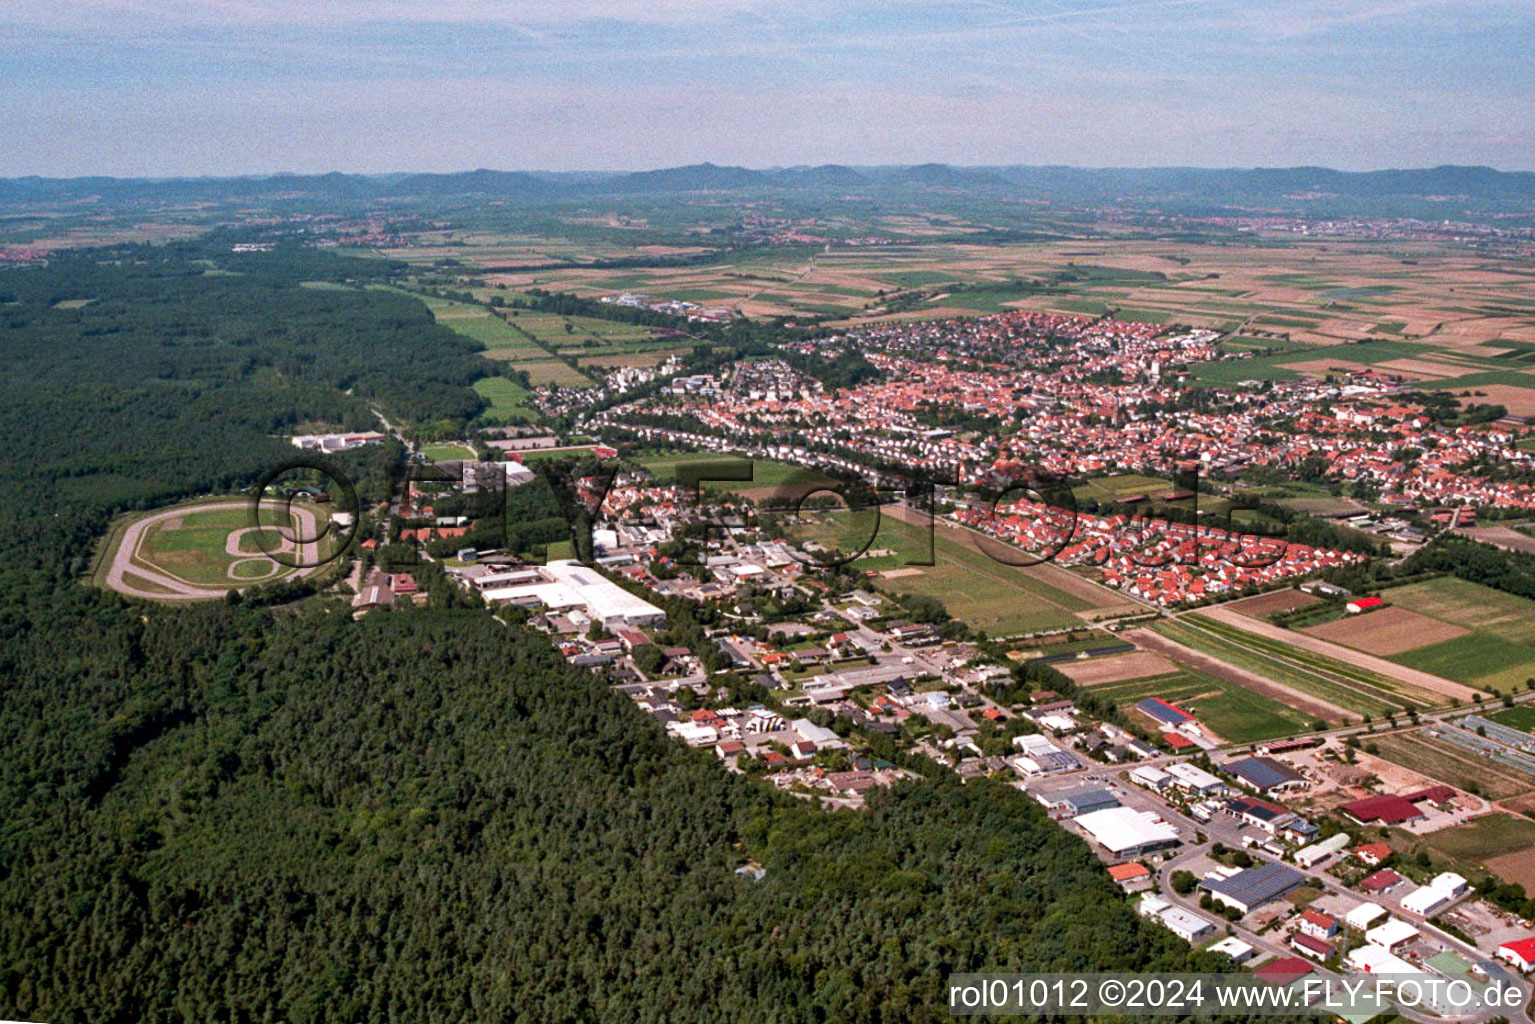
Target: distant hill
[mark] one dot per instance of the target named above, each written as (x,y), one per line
(1446,191)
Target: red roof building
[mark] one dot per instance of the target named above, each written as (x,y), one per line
(1386,809)
(1373,854)
(1520,953)
(1123,873)
(1284,970)
(1382,880)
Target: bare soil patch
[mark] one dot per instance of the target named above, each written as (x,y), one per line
(1501,536)
(1275,601)
(1388,631)
(1517,867)
(1118,668)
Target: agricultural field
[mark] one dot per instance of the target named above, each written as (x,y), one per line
(1341,685)
(508,401)
(1496,647)
(768,477)
(1297,303)
(1118,668)
(1450,764)
(552,371)
(1388,631)
(447,452)
(1000,599)
(475,322)
(1521,718)
(1234,713)
(1274,601)
(1502,844)
(1118,488)
(586,336)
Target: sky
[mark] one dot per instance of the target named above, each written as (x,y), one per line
(194,87)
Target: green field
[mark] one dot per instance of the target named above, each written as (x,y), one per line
(553,371)
(1477,840)
(767,475)
(508,401)
(1234,712)
(1476,659)
(1522,718)
(447,451)
(1498,654)
(475,322)
(985,594)
(1117,488)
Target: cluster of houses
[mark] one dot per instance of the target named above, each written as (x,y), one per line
(1163,562)
(1107,385)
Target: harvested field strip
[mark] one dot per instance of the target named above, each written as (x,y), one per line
(1394,690)
(1341,661)
(1357,699)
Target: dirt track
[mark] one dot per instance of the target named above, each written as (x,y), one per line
(1411,676)
(168,588)
(1287,695)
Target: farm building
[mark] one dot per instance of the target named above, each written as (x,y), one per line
(1162,711)
(1364,604)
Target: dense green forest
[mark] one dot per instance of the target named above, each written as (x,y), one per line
(226,812)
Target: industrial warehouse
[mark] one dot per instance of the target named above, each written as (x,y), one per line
(568,585)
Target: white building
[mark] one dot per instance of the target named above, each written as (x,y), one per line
(1233,947)
(1126,832)
(1318,852)
(1425,900)
(1364,915)
(1378,960)
(1391,934)
(1150,776)
(1194,779)
(568,584)
(1188,927)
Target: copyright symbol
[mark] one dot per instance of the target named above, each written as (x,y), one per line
(1111,992)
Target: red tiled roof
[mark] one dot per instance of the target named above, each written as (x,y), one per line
(1383,879)
(1387,809)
